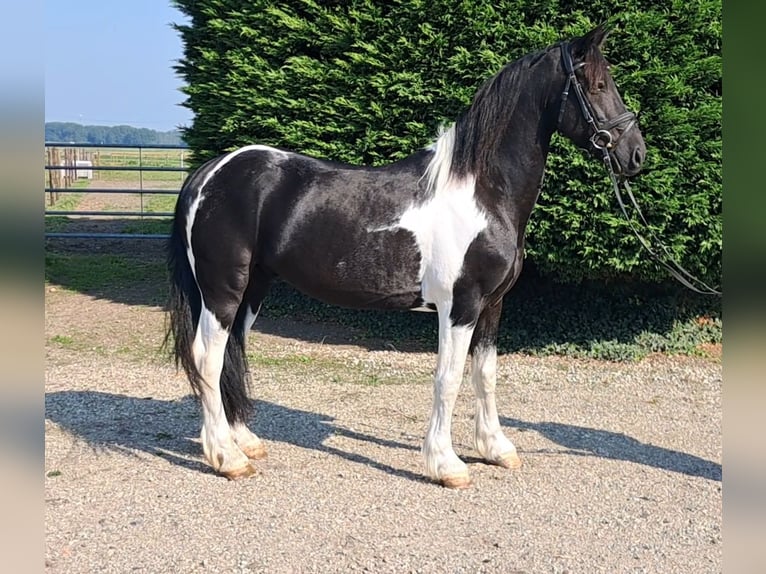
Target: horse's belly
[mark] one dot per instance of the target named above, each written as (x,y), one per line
(362,270)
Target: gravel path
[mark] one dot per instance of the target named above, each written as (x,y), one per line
(622,462)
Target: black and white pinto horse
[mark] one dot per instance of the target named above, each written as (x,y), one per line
(440,230)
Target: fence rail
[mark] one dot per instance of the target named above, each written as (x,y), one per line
(90,186)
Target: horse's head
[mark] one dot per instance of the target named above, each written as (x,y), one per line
(592,113)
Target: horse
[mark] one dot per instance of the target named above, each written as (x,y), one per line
(440,230)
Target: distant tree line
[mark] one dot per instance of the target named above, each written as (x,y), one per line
(64,132)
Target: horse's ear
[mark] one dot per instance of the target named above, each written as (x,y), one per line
(595,37)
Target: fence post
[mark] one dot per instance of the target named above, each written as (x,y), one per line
(62,174)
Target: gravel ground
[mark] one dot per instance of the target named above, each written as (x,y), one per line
(622,462)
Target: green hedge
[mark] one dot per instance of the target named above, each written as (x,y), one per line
(370,82)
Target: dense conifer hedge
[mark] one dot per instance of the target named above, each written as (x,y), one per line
(369,82)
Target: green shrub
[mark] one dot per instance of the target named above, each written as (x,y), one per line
(370,82)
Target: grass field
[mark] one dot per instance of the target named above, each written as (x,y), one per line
(169,158)
(132,158)
(136,185)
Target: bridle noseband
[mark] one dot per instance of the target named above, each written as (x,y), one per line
(601,137)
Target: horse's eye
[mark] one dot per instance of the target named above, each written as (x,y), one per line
(601,86)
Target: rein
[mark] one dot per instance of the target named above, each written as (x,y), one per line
(603,141)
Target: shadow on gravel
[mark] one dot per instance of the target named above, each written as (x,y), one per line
(169,429)
(584,441)
(309,430)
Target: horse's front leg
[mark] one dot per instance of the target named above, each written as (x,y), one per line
(489,439)
(442,464)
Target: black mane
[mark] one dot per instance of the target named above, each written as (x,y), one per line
(479,129)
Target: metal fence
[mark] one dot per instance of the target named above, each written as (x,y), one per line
(137,174)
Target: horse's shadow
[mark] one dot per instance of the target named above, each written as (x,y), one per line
(170,429)
(584,441)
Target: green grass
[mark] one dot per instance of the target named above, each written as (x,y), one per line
(146,158)
(148,226)
(327,368)
(280,361)
(63,340)
(66,201)
(92,272)
(151,179)
(160,203)
(616,322)
(56,223)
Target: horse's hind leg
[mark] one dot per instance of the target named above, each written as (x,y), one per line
(489,439)
(209,351)
(247,440)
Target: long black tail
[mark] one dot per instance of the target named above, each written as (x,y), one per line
(184,308)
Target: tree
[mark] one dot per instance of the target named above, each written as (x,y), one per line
(59,132)
(370,82)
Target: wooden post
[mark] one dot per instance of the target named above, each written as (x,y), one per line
(55,174)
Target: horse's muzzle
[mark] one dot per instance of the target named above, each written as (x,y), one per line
(628,156)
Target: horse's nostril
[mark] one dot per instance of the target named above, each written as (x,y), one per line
(638,157)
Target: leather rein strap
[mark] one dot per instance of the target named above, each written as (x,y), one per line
(602,140)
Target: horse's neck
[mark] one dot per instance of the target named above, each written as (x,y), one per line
(522,156)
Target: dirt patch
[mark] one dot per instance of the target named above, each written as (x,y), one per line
(622,461)
(713,351)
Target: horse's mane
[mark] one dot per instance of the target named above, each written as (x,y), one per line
(469,146)
(479,129)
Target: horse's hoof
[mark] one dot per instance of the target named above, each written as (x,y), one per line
(240,473)
(256,452)
(457,481)
(510,460)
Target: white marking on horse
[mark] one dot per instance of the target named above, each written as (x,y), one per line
(424,309)
(250,317)
(444,225)
(489,439)
(189,223)
(437,172)
(439,456)
(208,349)
(279,155)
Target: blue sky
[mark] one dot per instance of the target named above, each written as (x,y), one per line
(110,62)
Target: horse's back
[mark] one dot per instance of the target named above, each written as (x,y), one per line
(328,228)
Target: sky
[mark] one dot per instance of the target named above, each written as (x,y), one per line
(110,62)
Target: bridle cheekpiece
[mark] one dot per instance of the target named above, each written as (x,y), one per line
(601,137)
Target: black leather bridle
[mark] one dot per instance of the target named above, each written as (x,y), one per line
(602,139)
(601,136)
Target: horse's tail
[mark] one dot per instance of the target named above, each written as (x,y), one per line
(184,308)
(184,303)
